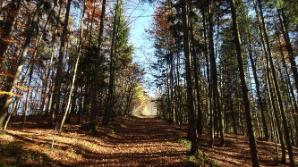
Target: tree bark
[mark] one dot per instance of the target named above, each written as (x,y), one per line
(276,86)
(94,107)
(189,88)
(58,78)
(250,131)
(110,101)
(289,47)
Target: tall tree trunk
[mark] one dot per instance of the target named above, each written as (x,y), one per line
(209,91)
(58,78)
(72,87)
(73,82)
(213,69)
(110,101)
(276,113)
(197,88)
(250,131)
(26,108)
(190,107)
(293,99)
(94,107)
(291,56)
(259,97)
(13,111)
(3,113)
(276,86)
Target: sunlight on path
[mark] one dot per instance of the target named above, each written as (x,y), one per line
(148,110)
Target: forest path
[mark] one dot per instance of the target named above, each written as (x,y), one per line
(143,142)
(125,142)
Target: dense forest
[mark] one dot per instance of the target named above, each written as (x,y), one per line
(223,70)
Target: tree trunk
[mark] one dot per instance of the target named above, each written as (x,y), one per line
(3,113)
(73,82)
(26,108)
(95,88)
(14,110)
(276,87)
(213,69)
(293,99)
(259,97)
(250,131)
(72,87)
(58,78)
(190,107)
(110,102)
(197,88)
(289,47)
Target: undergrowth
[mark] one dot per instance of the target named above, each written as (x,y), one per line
(200,158)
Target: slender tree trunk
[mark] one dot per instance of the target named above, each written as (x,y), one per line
(209,91)
(197,87)
(58,78)
(293,99)
(46,91)
(3,113)
(250,131)
(110,101)
(289,47)
(190,107)
(276,87)
(73,82)
(215,94)
(14,110)
(67,109)
(276,114)
(94,108)
(179,96)
(259,97)
(26,108)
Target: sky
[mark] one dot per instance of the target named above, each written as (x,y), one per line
(140,18)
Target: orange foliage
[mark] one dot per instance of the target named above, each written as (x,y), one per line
(6,74)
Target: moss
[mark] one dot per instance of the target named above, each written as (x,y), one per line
(186,143)
(200,158)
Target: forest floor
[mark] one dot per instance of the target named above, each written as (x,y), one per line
(125,142)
